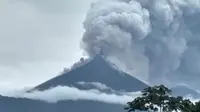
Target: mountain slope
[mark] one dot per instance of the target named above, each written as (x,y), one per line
(25,105)
(185,91)
(97,70)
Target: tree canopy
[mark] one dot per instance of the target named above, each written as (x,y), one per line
(159,98)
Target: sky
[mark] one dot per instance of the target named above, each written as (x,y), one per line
(38,39)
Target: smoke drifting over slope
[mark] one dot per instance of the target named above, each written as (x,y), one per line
(151,39)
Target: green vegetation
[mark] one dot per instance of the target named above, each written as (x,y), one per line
(160,99)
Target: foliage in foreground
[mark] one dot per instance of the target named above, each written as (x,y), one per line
(159,98)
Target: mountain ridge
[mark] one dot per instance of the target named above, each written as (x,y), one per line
(96,70)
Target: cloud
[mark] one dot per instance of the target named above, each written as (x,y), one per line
(70,93)
(157,41)
(98,85)
(66,93)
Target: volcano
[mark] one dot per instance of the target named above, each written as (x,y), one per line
(97,70)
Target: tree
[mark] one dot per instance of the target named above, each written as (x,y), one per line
(197,106)
(140,103)
(160,98)
(175,104)
(151,99)
(188,106)
(157,95)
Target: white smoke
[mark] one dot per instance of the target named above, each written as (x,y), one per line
(155,40)
(81,62)
(65,93)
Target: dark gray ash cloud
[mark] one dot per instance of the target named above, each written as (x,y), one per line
(155,40)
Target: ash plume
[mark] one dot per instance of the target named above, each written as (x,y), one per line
(157,41)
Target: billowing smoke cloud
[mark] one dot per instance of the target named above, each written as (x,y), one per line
(61,93)
(155,40)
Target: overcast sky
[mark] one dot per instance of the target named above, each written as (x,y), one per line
(38,39)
